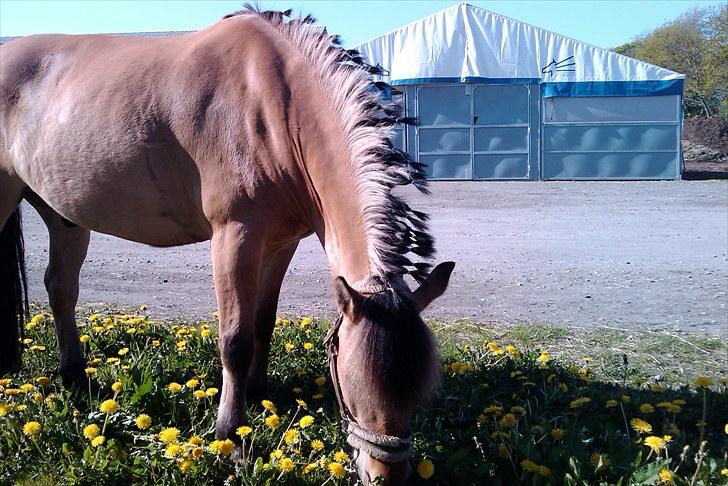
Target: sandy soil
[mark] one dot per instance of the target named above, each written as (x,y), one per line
(647,255)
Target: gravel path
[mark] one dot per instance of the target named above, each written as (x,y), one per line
(642,255)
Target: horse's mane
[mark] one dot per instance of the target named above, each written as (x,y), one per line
(393,229)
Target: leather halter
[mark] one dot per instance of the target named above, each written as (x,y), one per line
(385,448)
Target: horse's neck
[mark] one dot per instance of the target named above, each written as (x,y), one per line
(341,224)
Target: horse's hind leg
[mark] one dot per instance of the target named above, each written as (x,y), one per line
(272,272)
(67,251)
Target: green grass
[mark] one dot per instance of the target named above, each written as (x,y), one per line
(501,415)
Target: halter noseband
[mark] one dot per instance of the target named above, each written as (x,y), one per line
(385,448)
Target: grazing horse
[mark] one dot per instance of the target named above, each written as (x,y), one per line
(253,133)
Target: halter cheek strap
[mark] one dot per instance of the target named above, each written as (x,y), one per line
(385,448)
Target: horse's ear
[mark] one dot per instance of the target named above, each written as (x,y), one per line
(433,286)
(348,300)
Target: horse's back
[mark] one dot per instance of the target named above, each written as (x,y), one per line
(87,127)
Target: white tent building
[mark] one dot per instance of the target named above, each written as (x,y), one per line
(496,98)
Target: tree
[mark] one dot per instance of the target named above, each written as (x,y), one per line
(694,44)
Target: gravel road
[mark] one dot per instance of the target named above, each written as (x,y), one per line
(641,255)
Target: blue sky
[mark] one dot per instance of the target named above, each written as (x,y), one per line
(606,23)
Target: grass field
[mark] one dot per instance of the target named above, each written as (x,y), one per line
(518,404)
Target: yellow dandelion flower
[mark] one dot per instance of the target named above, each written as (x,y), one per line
(308,346)
(309,468)
(557,433)
(174,387)
(286,465)
(91,431)
(640,425)
(289,346)
(90,371)
(195,440)
(529,465)
(579,402)
(21,407)
(37,397)
(647,408)
(726,428)
(192,383)
(301,403)
(272,421)
(116,386)
(703,381)
(655,443)
(626,398)
(199,394)
(211,392)
(173,450)
(425,469)
(508,420)
(11,392)
(5,382)
(197,452)
(113,360)
(320,381)
(665,476)
(563,387)
(543,471)
(31,428)
(156,343)
(5,408)
(341,456)
(337,470)
(305,421)
(98,441)
(270,406)
(27,387)
(611,403)
(276,454)
(243,431)
(185,466)
(543,358)
(513,351)
(123,351)
(143,421)
(317,444)
(206,333)
(291,436)
(43,380)
(222,447)
(724,471)
(169,435)
(109,406)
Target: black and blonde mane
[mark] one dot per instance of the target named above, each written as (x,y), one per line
(394,230)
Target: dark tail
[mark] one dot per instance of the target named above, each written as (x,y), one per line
(13,292)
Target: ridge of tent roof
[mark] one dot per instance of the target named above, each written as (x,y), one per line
(464,8)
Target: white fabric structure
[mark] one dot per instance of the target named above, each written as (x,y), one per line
(468,44)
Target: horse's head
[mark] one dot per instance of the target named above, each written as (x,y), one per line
(384,363)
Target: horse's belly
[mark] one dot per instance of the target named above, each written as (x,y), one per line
(126,199)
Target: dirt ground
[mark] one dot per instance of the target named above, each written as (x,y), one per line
(635,255)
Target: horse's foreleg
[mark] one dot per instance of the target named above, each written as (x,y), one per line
(235,263)
(67,251)
(273,270)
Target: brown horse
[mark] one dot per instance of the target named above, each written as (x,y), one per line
(253,133)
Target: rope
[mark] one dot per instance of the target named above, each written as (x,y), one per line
(385,448)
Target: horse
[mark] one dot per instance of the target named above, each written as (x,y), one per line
(252,133)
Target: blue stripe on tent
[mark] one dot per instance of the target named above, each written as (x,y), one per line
(571,89)
(613,88)
(465,80)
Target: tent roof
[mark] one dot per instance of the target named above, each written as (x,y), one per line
(464,43)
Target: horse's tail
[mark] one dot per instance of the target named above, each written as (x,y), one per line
(13,292)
